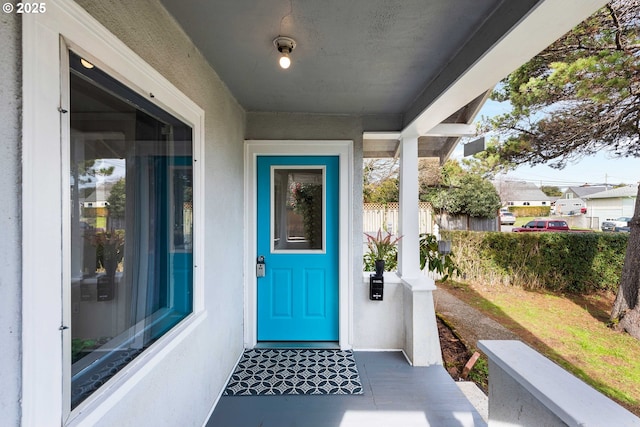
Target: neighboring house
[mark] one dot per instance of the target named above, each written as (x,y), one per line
(94,207)
(97,199)
(611,204)
(572,200)
(520,193)
(227,159)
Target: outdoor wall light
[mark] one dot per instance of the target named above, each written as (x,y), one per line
(284,45)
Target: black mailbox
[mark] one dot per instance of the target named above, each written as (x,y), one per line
(105,288)
(376,287)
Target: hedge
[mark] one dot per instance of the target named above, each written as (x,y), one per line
(566,262)
(530,210)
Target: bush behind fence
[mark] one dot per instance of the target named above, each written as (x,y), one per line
(566,262)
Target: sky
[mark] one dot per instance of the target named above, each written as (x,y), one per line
(598,169)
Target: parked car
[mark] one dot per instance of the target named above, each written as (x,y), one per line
(507,218)
(618,224)
(543,225)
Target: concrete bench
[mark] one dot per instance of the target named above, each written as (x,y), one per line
(527,389)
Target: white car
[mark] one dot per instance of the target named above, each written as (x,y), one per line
(616,224)
(507,218)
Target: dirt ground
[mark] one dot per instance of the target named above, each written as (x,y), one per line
(460,327)
(454,353)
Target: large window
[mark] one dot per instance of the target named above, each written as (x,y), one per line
(131,225)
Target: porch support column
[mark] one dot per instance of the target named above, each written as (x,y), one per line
(421,343)
(409,251)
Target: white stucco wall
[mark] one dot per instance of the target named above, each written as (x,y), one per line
(10,276)
(284,126)
(183,388)
(380,324)
(376,324)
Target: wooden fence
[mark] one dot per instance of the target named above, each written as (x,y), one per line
(466,223)
(384,216)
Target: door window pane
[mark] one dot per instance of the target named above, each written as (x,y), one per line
(131,225)
(298,209)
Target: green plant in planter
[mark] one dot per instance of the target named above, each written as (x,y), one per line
(381,249)
(109,250)
(78,345)
(429,255)
(390,262)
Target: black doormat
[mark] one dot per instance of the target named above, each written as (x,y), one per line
(278,372)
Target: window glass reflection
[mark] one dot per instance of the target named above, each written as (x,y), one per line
(298,222)
(131,226)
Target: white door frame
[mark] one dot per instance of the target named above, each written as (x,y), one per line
(344,150)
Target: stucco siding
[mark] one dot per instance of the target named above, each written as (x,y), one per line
(368,316)
(285,126)
(10,224)
(184,387)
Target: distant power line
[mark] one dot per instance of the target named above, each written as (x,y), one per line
(558,183)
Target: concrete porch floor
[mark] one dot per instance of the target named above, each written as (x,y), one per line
(395,394)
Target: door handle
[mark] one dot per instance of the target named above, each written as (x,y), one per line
(260,267)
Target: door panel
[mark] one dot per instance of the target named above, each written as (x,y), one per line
(298,237)
(281,297)
(315,293)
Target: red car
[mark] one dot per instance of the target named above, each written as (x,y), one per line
(544,225)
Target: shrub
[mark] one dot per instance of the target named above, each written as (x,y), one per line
(434,261)
(568,262)
(429,256)
(472,195)
(535,211)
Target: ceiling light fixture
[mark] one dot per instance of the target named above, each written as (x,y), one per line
(86,64)
(284,45)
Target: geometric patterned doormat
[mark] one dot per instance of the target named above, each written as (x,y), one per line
(273,372)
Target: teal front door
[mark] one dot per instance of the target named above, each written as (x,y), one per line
(297,232)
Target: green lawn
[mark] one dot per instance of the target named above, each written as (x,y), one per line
(522,220)
(570,330)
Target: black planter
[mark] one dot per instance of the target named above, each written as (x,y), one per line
(105,288)
(379,267)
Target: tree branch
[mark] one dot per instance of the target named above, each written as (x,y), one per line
(616,22)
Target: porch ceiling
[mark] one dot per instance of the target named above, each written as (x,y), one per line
(388,60)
